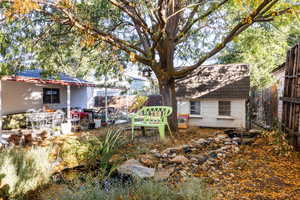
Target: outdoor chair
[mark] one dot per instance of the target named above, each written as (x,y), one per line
(152,116)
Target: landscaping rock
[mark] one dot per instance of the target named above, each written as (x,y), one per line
(213,155)
(157,155)
(134,168)
(201,141)
(180,160)
(222,136)
(154,151)
(202,159)
(186,149)
(254,131)
(163,173)
(171,150)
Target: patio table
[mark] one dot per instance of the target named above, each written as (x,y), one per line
(39,120)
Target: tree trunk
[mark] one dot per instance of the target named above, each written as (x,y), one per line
(167,91)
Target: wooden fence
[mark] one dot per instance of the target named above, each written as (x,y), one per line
(291,96)
(264,106)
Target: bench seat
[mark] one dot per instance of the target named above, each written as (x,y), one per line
(152,116)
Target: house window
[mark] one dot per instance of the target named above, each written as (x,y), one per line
(225,108)
(195,107)
(50,95)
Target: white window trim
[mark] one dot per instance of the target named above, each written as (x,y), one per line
(195,115)
(224,117)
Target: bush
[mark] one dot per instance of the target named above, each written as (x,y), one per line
(193,189)
(279,142)
(22,171)
(91,151)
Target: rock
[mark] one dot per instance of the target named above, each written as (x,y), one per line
(236,149)
(201,141)
(255,131)
(154,151)
(202,159)
(157,155)
(222,136)
(221,155)
(186,149)
(213,155)
(172,155)
(164,155)
(171,150)
(227,140)
(180,160)
(199,159)
(163,174)
(134,168)
(237,139)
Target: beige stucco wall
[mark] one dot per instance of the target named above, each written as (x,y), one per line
(20,96)
(209,113)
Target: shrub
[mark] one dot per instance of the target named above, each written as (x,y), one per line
(193,189)
(279,142)
(22,171)
(91,151)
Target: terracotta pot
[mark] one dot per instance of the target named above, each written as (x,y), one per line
(28,138)
(15,138)
(44,134)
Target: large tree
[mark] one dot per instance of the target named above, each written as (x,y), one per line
(172,37)
(264,48)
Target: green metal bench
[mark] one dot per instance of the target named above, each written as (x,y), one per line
(152,116)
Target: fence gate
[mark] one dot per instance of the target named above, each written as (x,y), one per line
(291,96)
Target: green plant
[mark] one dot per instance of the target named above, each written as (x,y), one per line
(192,189)
(279,142)
(22,171)
(113,140)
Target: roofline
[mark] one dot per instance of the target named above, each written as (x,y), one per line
(229,64)
(278,68)
(220,65)
(42,81)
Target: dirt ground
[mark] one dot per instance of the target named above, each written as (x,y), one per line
(256,172)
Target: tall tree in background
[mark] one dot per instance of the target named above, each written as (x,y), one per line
(264,48)
(172,37)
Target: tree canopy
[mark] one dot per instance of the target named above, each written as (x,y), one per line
(172,37)
(264,48)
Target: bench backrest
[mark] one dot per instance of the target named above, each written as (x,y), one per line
(155,114)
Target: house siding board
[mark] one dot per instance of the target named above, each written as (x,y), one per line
(79,97)
(209,113)
(18,97)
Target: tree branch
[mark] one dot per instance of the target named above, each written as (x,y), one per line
(240,27)
(188,25)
